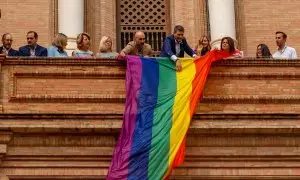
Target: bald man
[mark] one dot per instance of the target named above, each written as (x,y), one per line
(138,46)
(6,49)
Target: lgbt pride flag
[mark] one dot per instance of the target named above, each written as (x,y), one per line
(160,103)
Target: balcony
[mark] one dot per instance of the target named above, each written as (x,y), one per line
(60,119)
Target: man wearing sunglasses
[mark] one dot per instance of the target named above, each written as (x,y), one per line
(32,48)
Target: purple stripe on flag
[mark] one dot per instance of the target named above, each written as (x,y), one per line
(119,166)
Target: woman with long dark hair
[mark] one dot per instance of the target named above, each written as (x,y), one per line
(262,51)
(227,44)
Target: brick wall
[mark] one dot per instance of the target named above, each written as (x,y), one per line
(258,20)
(246,126)
(192,17)
(101,21)
(19,17)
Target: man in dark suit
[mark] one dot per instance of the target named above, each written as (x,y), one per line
(6,48)
(32,48)
(175,45)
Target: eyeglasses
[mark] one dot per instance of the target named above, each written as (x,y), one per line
(9,40)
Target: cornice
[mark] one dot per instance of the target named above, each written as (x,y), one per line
(241,62)
(255,75)
(62,61)
(120,98)
(198,116)
(254,62)
(201,123)
(121,75)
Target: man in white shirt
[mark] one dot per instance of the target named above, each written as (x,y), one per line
(283,51)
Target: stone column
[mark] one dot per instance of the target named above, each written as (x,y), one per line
(222,20)
(71,20)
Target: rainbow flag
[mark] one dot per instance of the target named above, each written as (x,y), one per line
(160,103)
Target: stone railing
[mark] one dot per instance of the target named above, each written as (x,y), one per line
(61,117)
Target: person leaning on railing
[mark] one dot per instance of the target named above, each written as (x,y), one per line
(175,45)
(227,44)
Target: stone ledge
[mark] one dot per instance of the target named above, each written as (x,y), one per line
(50,177)
(196,152)
(119,98)
(95,162)
(241,62)
(179,177)
(122,74)
(179,173)
(200,116)
(111,123)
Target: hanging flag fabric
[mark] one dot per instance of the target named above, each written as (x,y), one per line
(160,103)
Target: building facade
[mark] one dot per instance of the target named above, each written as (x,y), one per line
(250,22)
(60,118)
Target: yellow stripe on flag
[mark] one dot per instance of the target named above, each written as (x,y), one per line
(181,108)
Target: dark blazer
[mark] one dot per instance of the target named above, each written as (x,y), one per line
(39,51)
(11,52)
(169,50)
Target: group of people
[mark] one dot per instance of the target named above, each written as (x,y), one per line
(174,46)
(31,49)
(283,50)
(262,50)
(58,47)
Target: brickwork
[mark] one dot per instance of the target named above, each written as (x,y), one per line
(52,87)
(101,21)
(257,22)
(18,17)
(246,126)
(192,17)
(61,118)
